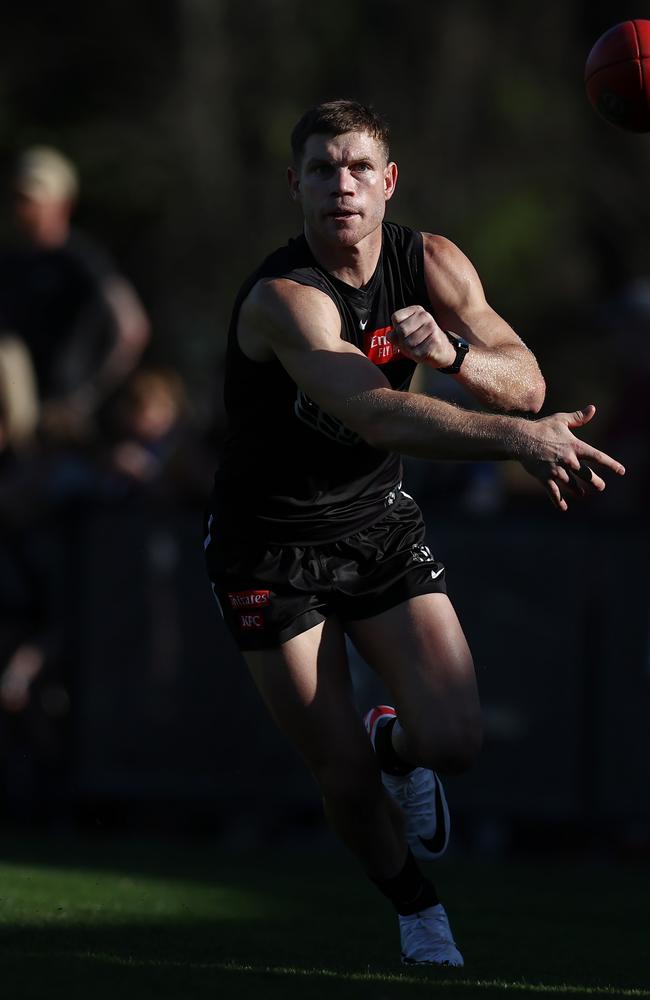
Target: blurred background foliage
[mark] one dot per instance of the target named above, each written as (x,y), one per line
(177,113)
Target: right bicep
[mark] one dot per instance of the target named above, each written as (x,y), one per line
(302,328)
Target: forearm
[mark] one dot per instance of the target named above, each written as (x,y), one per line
(132,331)
(425,427)
(505,378)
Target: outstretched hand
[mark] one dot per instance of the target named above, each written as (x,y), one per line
(564,464)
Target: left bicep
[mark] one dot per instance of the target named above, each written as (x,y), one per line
(457,296)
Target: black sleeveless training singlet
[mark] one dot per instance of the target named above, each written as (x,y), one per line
(288,472)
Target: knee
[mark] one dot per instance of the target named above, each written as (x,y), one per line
(452,748)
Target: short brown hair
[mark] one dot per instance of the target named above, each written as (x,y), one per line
(336,118)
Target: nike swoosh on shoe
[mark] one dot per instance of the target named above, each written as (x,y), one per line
(436,844)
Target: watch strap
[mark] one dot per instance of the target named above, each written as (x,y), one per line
(462,347)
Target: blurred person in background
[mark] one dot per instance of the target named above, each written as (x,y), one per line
(33,695)
(310,536)
(72,330)
(152,449)
(19,412)
(79,318)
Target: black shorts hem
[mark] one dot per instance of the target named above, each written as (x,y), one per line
(400,593)
(265,641)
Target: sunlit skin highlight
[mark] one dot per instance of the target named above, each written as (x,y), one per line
(342,184)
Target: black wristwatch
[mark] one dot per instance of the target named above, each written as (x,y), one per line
(462,347)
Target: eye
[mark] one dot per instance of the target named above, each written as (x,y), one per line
(321,169)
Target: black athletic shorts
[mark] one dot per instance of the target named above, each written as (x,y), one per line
(269,593)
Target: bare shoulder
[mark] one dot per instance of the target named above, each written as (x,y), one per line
(457,296)
(451,278)
(279,310)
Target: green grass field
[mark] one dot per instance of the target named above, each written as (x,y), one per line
(127,920)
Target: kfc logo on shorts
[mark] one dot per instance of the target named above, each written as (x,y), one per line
(251,621)
(378,348)
(249,599)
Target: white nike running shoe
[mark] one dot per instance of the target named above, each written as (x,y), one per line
(426,939)
(420,796)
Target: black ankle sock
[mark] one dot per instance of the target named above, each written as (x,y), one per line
(389,759)
(409,891)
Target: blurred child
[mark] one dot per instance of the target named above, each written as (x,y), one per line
(155,449)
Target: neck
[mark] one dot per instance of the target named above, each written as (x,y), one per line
(355,265)
(52,233)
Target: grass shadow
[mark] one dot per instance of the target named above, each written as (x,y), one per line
(195,921)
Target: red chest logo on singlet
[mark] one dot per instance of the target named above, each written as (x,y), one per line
(378,348)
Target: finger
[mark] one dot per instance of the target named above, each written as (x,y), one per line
(595,457)
(415,326)
(568,480)
(572,462)
(406,342)
(587,475)
(577,488)
(420,353)
(402,314)
(557,499)
(418,320)
(560,473)
(580,417)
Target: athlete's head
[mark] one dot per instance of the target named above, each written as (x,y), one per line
(341,174)
(336,118)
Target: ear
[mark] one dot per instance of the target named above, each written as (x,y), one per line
(390,180)
(294,183)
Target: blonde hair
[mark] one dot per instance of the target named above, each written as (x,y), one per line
(45,174)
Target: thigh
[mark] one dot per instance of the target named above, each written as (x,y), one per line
(420,651)
(306,686)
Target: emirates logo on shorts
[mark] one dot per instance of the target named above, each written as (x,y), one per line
(378,348)
(249,599)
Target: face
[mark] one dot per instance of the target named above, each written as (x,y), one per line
(343,184)
(38,218)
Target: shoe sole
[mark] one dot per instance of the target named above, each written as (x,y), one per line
(438,965)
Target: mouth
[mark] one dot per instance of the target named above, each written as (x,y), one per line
(342,214)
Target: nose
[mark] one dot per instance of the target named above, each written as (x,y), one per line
(343,181)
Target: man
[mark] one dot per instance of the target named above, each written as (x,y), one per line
(310,534)
(81,321)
